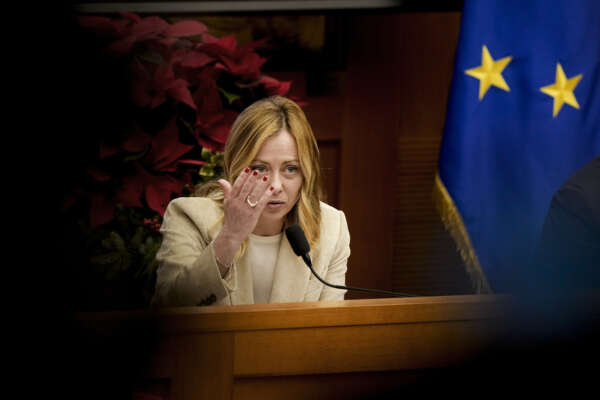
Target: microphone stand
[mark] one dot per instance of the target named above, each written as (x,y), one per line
(308,262)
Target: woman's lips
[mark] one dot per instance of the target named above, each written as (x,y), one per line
(274,205)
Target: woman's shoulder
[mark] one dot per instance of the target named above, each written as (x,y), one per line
(195,208)
(332,218)
(329,211)
(334,229)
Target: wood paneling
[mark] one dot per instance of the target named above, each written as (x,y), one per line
(275,352)
(330,169)
(362,385)
(424,260)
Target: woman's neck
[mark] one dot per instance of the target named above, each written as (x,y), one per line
(268,228)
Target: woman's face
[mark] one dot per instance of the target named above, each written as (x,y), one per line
(278,159)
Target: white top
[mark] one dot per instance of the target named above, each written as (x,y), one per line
(262,256)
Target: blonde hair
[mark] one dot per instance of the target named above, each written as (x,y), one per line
(252,127)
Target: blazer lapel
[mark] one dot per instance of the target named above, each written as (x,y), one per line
(244,293)
(291,276)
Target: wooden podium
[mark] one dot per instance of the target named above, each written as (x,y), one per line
(303,350)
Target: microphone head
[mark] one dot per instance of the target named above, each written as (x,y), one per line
(297,240)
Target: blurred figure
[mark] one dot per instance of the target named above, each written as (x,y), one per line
(569,250)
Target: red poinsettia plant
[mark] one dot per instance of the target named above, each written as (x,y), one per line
(186,88)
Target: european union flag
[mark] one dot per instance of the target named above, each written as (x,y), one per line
(523,115)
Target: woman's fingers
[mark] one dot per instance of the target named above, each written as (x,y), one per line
(259,189)
(239,182)
(226,186)
(249,185)
(248,190)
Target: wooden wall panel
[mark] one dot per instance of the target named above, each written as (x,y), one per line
(330,169)
(424,257)
(398,77)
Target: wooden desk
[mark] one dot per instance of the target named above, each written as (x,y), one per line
(304,350)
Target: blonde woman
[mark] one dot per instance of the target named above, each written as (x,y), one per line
(227,246)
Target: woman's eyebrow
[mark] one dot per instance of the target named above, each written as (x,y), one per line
(258,160)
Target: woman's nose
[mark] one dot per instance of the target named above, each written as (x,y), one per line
(276,182)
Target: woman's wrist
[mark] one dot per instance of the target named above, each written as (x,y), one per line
(225,246)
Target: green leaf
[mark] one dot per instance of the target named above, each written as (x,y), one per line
(117,241)
(206,154)
(231,97)
(137,238)
(106,258)
(187,125)
(217,158)
(207,170)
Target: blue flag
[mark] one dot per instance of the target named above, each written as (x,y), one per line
(523,115)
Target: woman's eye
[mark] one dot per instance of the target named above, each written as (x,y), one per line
(259,168)
(291,168)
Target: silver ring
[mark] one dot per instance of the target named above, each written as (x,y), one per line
(250,203)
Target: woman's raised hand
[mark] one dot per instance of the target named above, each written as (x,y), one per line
(243,204)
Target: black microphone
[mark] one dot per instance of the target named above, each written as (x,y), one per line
(301,248)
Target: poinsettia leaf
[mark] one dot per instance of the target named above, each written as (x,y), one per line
(283,88)
(209,144)
(273,86)
(186,28)
(158,192)
(149,26)
(130,192)
(137,141)
(136,156)
(157,100)
(102,209)
(191,162)
(107,150)
(98,175)
(166,147)
(179,91)
(196,59)
(298,100)
(222,66)
(122,46)
(247,67)
(168,42)
(207,98)
(222,46)
(130,16)
(207,38)
(164,75)
(219,131)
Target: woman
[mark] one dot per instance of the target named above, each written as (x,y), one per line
(227,246)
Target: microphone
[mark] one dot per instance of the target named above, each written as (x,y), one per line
(301,248)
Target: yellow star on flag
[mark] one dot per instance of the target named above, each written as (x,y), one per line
(489,72)
(562,90)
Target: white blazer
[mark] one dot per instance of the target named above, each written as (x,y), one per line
(188,274)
